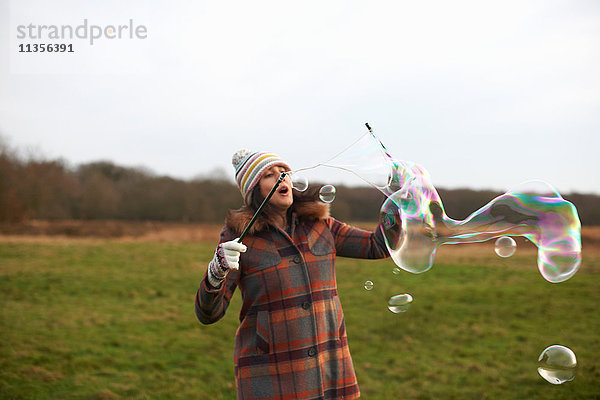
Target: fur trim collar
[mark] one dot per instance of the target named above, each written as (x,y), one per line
(237,220)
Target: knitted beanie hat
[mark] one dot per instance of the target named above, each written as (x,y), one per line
(250,167)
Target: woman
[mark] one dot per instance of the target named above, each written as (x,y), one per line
(291,342)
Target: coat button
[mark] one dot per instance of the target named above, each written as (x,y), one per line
(306,305)
(297,259)
(312,352)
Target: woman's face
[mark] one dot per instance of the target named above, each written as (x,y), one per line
(282,198)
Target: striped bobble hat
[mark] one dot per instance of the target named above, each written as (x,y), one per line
(250,167)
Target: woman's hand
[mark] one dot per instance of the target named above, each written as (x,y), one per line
(227,257)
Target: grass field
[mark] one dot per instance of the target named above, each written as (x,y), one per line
(108,319)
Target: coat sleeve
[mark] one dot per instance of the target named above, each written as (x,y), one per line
(357,243)
(211,303)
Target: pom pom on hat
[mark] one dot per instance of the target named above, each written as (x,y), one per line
(250,168)
(239,156)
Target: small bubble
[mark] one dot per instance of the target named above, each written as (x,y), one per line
(368,285)
(396,270)
(299,182)
(400,303)
(327,193)
(505,246)
(557,364)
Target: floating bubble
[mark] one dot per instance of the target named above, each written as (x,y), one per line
(557,364)
(368,285)
(505,246)
(400,303)
(327,193)
(299,182)
(396,270)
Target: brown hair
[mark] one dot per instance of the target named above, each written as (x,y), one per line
(256,198)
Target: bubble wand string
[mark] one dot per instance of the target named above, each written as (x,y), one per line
(260,208)
(326,163)
(284,174)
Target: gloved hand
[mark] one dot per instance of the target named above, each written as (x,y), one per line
(227,256)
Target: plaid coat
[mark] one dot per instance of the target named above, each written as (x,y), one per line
(291,342)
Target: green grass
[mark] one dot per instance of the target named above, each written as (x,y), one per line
(115,320)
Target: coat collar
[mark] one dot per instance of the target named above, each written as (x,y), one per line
(237,220)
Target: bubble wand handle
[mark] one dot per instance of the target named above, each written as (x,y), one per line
(260,208)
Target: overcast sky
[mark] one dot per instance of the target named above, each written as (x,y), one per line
(483,94)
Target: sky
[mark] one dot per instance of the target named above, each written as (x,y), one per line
(483,94)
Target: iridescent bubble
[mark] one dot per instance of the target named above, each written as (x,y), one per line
(557,364)
(505,246)
(327,193)
(414,225)
(299,182)
(368,285)
(400,303)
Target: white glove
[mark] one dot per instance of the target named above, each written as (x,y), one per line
(227,257)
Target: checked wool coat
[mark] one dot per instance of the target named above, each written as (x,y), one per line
(291,342)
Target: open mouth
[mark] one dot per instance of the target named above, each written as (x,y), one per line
(283,190)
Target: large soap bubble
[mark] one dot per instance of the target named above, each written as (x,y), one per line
(414,223)
(533,210)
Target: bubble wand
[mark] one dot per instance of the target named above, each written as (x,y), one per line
(260,208)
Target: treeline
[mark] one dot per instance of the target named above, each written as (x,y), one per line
(35,189)
(50,190)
